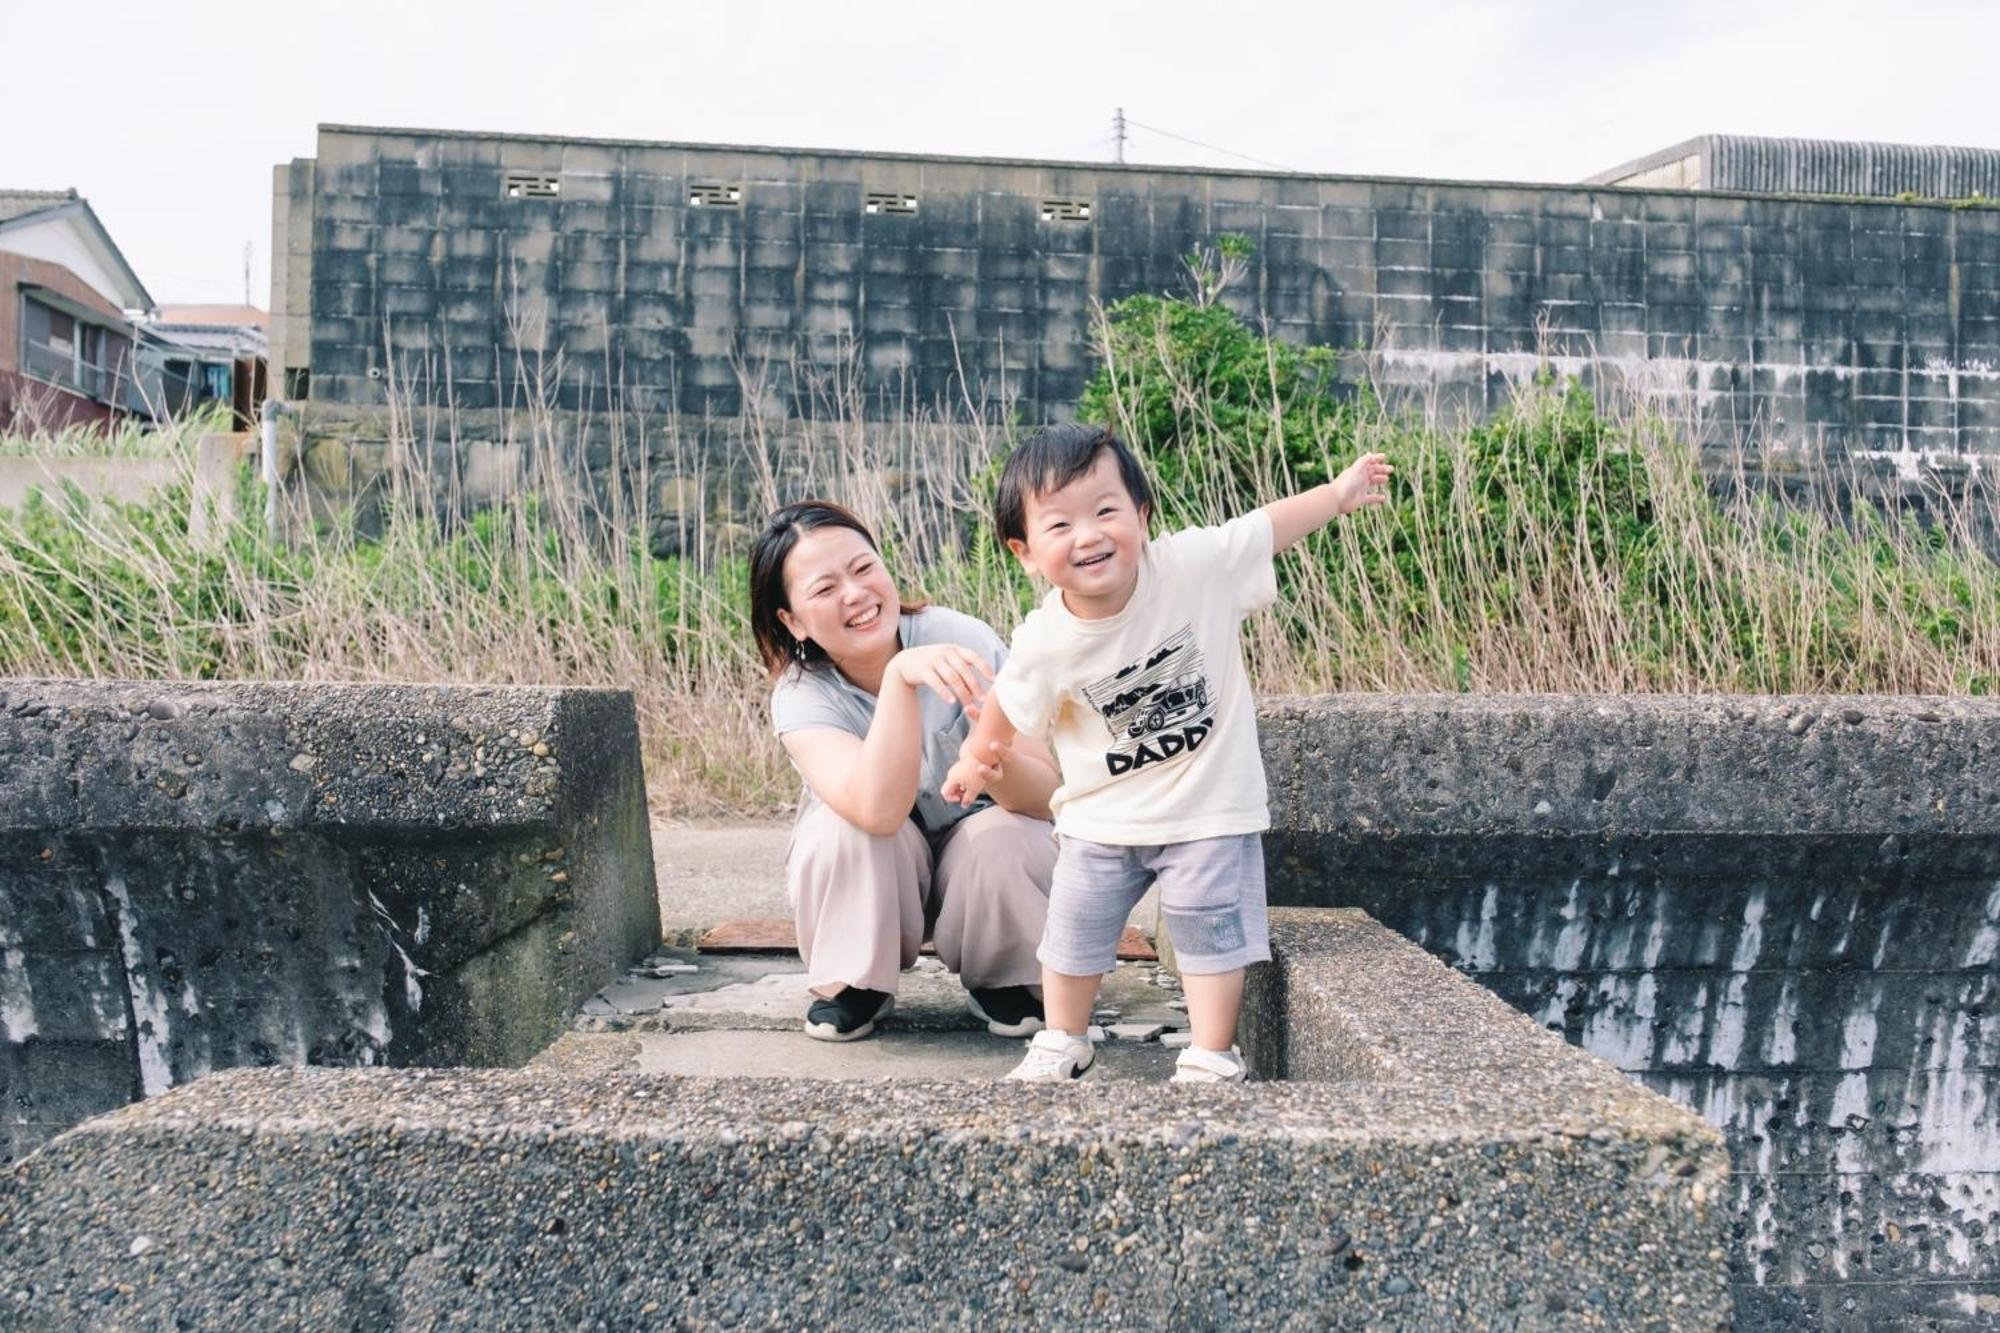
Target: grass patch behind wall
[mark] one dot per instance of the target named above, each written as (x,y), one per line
(1565,546)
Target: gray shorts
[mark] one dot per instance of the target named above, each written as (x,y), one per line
(1211,898)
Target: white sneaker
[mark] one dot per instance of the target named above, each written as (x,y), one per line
(1195,1065)
(1054,1057)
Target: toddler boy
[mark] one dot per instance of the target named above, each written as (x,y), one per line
(1132,668)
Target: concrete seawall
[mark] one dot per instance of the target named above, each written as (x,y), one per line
(1783,913)
(1448,1165)
(194,877)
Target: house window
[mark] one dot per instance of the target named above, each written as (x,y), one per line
(49,349)
(60,349)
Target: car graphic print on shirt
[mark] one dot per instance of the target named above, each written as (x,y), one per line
(1157,708)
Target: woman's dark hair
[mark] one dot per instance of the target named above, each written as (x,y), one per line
(775,643)
(1051,460)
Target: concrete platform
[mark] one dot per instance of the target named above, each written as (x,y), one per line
(767,992)
(927,1056)
(1520,1184)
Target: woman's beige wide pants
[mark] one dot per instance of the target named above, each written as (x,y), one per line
(864,903)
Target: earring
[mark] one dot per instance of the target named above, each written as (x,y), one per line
(799,650)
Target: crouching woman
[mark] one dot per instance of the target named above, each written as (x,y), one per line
(871,698)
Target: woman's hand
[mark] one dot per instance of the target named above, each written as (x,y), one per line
(954,673)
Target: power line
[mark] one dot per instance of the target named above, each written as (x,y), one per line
(1213,148)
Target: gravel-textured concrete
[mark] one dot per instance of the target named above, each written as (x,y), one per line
(1528,1188)
(195,876)
(1382,767)
(1784,913)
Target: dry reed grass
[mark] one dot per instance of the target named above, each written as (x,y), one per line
(1479,585)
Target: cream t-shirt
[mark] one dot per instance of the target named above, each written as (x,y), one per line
(1149,711)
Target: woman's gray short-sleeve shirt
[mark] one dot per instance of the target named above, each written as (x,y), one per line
(804,699)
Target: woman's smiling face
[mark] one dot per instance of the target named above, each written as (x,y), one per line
(840,595)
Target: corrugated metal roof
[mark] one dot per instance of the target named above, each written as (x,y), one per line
(212,316)
(1831,166)
(241,341)
(1757,165)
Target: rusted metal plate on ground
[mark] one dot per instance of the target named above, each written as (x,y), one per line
(751,934)
(1133,947)
(772,934)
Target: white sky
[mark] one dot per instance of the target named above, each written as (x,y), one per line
(169,116)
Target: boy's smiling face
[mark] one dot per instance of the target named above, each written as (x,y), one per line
(1085,538)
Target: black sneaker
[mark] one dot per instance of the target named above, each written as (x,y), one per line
(848,1016)
(1007,1011)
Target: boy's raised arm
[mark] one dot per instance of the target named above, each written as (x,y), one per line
(969,776)
(1308,511)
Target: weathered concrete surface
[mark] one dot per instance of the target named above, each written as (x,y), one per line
(1534,1188)
(1783,913)
(740,1016)
(925,1055)
(199,876)
(212,484)
(768,993)
(711,873)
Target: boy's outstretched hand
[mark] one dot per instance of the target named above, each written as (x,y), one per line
(1363,482)
(1360,486)
(971,775)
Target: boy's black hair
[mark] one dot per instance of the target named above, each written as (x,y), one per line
(1052,459)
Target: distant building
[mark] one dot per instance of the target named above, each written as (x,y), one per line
(66,300)
(488,274)
(193,355)
(1755,165)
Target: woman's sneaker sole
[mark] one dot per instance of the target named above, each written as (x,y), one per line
(828,1032)
(1027,1027)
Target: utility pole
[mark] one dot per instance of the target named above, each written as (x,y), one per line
(1118,133)
(246,273)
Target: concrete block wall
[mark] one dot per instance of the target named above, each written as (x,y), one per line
(1873,326)
(1782,913)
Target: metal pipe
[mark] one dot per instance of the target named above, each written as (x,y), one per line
(268,469)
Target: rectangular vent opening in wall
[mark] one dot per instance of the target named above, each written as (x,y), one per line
(715,196)
(533,185)
(903,204)
(1065,210)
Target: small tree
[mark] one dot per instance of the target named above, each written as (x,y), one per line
(1220,412)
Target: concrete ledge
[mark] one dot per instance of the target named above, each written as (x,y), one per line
(1344,998)
(212,481)
(1782,912)
(1531,1189)
(1379,767)
(199,876)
